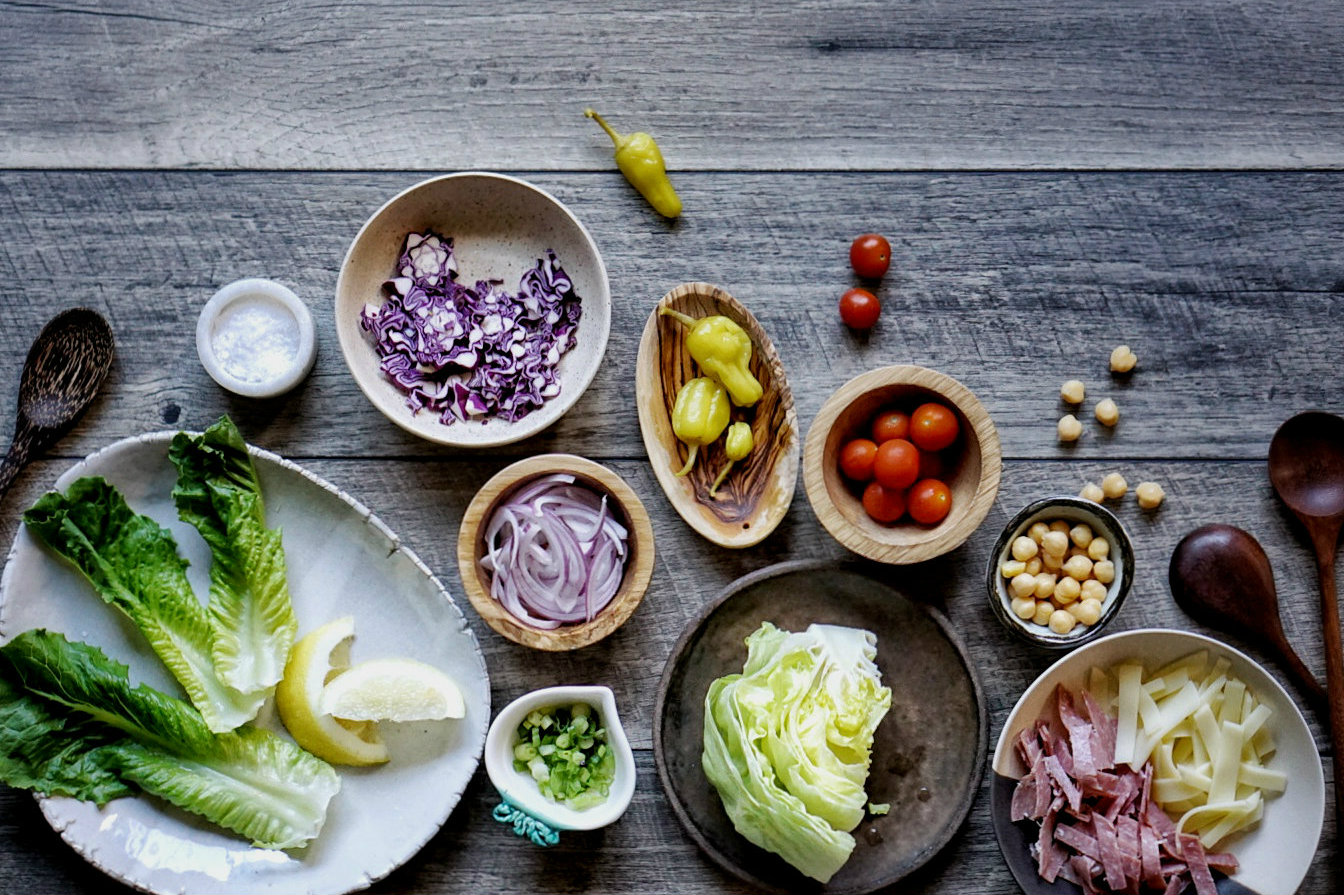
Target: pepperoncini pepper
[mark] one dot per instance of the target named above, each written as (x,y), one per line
(640,160)
(737,445)
(699,415)
(723,350)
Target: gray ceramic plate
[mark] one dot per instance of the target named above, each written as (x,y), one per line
(342,561)
(929,751)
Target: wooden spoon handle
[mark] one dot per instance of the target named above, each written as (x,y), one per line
(1334,658)
(17,458)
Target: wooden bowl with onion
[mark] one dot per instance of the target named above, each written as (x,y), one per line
(624,507)
(753,499)
(975,464)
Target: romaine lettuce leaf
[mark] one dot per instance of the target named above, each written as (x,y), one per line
(249,781)
(218,494)
(787,743)
(133,564)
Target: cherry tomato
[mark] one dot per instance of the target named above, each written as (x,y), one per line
(931,465)
(870,255)
(897,464)
(891,424)
(933,427)
(883,504)
(929,500)
(859,308)
(856,459)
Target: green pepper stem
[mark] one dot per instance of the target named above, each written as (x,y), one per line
(678,316)
(690,461)
(615,137)
(723,475)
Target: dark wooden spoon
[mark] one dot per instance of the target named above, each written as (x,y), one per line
(66,365)
(1221,577)
(1306,468)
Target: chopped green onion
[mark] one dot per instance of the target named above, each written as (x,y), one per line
(564,750)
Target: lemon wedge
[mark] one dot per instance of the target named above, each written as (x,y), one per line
(321,656)
(392,690)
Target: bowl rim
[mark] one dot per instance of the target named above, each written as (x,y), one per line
(942,539)
(634,582)
(516,430)
(521,791)
(1121,545)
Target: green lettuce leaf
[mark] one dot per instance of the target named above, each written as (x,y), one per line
(218,494)
(249,781)
(787,743)
(133,564)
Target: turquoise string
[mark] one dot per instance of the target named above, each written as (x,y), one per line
(526,825)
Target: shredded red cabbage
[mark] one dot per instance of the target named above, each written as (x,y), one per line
(472,353)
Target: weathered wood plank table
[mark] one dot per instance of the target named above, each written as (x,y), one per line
(1055,178)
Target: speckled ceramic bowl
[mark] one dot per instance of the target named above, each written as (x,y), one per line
(500,226)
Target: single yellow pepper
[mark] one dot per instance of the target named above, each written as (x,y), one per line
(699,415)
(723,350)
(737,445)
(640,160)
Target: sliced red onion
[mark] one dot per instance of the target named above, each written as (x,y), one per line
(554,553)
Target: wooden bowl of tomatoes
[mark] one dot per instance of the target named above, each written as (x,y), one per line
(901,464)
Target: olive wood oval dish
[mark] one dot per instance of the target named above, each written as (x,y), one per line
(973,476)
(624,506)
(752,500)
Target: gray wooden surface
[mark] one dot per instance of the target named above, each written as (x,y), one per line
(1055,179)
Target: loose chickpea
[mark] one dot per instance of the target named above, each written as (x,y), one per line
(1092,492)
(1045,586)
(1076,551)
(1044,609)
(1078,567)
(1067,590)
(1023,585)
(1114,486)
(1033,566)
(1123,359)
(1104,571)
(1037,531)
(1108,414)
(1052,562)
(1150,495)
(1073,391)
(1059,525)
(1099,549)
(1062,622)
(1093,590)
(1012,568)
(1081,535)
(1055,543)
(1087,611)
(1024,548)
(1068,428)
(1023,607)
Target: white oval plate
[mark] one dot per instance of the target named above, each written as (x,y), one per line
(1275,855)
(342,561)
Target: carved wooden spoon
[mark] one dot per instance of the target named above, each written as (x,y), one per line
(1306,468)
(756,495)
(1221,576)
(65,367)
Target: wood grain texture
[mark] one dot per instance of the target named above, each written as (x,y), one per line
(1228,286)
(754,498)
(862,84)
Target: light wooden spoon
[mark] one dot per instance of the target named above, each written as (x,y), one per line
(756,494)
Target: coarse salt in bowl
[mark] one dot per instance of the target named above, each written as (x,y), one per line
(255,338)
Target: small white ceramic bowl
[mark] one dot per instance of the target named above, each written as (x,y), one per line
(255,338)
(520,791)
(500,226)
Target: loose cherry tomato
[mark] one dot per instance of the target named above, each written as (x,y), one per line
(930,501)
(856,459)
(933,427)
(859,308)
(896,464)
(891,424)
(931,465)
(870,255)
(883,504)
